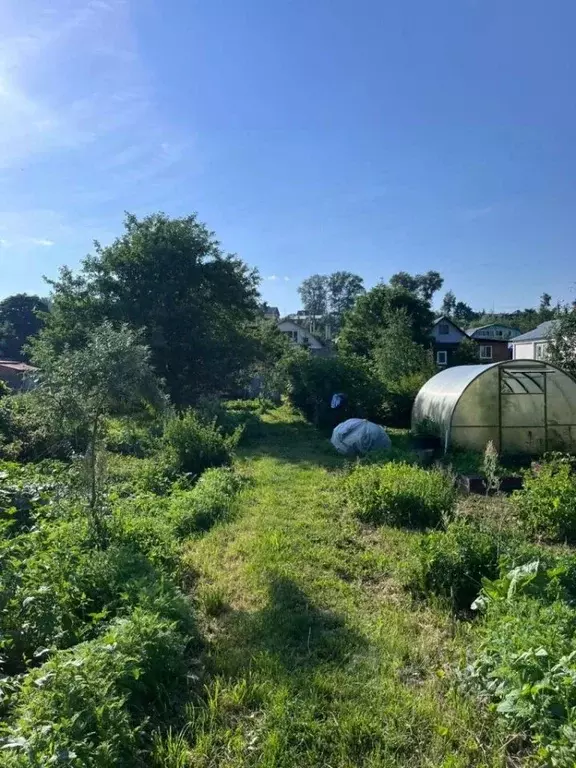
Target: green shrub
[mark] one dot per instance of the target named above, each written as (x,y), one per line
(194,445)
(154,525)
(526,663)
(547,503)
(27,434)
(313,380)
(89,706)
(150,534)
(399,398)
(399,494)
(230,419)
(130,476)
(130,438)
(453,563)
(210,501)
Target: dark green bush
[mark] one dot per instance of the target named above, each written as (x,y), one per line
(526,662)
(86,707)
(313,380)
(130,438)
(210,501)
(194,445)
(399,494)
(230,419)
(399,398)
(27,434)
(547,503)
(154,526)
(56,589)
(453,563)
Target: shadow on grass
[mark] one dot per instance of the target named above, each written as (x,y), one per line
(294,442)
(293,632)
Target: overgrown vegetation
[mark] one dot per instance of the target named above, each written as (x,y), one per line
(400,494)
(185,581)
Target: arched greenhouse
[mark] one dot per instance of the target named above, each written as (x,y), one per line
(523,406)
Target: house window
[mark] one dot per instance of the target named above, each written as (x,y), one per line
(540,350)
(292,335)
(486,352)
(443,329)
(442,357)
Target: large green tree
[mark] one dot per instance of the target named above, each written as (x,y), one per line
(425,285)
(197,306)
(343,290)
(373,312)
(314,295)
(20,319)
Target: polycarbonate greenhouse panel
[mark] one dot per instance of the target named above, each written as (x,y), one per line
(523,406)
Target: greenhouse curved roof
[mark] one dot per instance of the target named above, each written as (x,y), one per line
(440,395)
(446,388)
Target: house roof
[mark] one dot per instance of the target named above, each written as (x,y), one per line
(470,331)
(446,319)
(300,328)
(541,332)
(17,366)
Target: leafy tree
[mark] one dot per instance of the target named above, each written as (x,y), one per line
(562,340)
(425,285)
(464,314)
(343,290)
(19,321)
(448,304)
(396,354)
(467,353)
(374,311)
(545,301)
(82,386)
(197,306)
(314,295)
(403,365)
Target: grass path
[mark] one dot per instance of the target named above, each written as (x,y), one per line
(317,656)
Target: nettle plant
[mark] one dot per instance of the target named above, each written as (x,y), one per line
(111,373)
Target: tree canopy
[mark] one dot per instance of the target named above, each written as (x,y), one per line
(374,312)
(20,319)
(562,340)
(197,306)
(425,286)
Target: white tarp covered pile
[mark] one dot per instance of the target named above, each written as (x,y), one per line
(357,436)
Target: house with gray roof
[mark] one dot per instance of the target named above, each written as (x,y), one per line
(534,344)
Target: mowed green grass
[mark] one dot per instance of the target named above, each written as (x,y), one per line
(316,656)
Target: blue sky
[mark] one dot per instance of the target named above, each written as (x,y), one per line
(311,136)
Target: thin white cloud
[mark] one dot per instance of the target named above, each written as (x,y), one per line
(44,242)
(272,278)
(286,279)
(71,79)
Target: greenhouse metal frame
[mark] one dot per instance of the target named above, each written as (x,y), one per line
(522,406)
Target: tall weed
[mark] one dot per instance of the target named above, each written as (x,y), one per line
(399,494)
(547,503)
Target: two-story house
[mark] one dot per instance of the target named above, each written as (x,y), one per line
(446,337)
(493,341)
(299,335)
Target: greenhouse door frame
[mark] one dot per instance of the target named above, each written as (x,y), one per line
(544,393)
